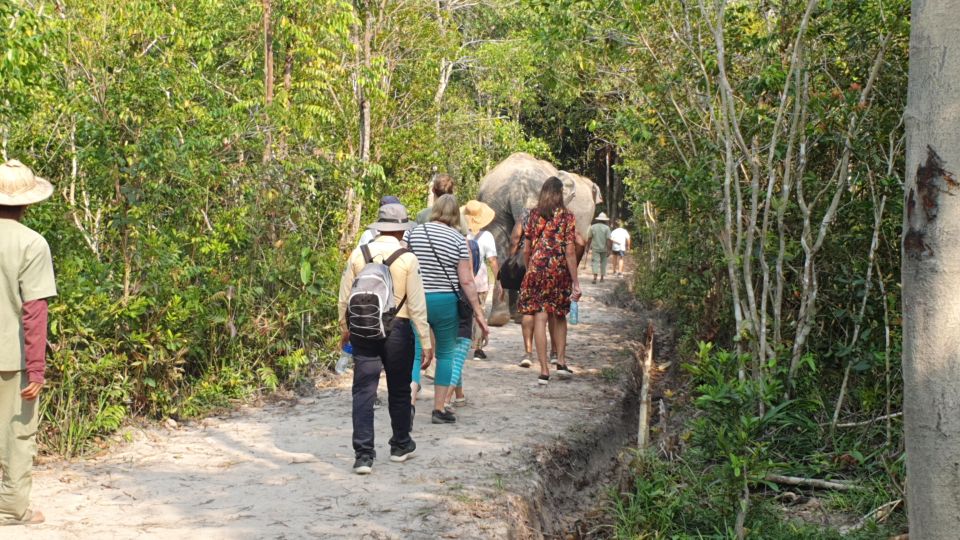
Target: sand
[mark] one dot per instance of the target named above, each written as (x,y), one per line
(284,470)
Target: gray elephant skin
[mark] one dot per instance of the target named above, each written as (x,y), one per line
(515,184)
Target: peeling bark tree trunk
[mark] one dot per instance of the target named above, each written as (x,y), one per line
(931,273)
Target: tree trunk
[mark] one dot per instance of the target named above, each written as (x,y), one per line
(267,76)
(931,273)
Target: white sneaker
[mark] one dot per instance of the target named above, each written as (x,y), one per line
(526,362)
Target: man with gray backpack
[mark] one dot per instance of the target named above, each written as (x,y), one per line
(381,304)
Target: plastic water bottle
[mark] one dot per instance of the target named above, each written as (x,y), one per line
(346,357)
(574,317)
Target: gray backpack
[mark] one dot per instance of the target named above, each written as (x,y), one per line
(371,308)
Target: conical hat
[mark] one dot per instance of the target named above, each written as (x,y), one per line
(20,187)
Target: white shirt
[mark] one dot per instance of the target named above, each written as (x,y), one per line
(488,250)
(619,237)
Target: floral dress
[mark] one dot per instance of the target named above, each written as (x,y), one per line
(547,286)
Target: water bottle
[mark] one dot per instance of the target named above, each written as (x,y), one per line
(346,357)
(574,317)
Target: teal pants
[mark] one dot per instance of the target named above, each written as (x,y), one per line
(444,321)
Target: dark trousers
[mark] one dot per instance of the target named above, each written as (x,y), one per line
(395,356)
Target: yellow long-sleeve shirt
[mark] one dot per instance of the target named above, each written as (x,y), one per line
(405,272)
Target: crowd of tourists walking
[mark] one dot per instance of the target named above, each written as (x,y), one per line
(410,304)
(412,295)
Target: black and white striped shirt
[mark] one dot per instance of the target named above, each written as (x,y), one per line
(448,245)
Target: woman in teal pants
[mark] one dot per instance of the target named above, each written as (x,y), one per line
(446,272)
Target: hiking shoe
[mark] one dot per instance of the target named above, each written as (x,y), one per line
(403,453)
(443,417)
(564,372)
(527,361)
(553,358)
(543,380)
(459,402)
(479,355)
(363,465)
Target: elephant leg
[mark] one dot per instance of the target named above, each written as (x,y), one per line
(500,312)
(513,296)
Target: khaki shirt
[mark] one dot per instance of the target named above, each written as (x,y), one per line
(405,272)
(26,274)
(598,236)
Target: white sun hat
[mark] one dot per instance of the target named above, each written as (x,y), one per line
(20,187)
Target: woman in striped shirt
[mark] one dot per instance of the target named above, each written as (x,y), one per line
(446,272)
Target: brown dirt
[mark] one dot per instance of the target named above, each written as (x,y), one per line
(523,461)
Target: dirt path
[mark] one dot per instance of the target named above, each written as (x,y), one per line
(284,471)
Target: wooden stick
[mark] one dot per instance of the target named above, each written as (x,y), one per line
(647,361)
(809,482)
(872,420)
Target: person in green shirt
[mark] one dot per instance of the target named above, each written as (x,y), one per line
(598,241)
(26,282)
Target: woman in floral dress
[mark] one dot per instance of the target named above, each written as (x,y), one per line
(551,281)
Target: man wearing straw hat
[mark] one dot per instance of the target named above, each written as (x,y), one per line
(478,215)
(598,240)
(395,354)
(26,281)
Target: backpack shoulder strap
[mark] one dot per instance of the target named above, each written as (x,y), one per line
(396,255)
(367,257)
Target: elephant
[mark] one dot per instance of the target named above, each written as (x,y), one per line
(513,185)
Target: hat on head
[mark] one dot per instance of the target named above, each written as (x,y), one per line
(601,217)
(389,199)
(392,218)
(477,214)
(20,187)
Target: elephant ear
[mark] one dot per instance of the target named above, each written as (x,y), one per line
(569,186)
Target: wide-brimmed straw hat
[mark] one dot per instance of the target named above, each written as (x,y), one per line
(20,187)
(601,217)
(392,218)
(477,214)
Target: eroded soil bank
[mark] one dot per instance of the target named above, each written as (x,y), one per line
(522,461)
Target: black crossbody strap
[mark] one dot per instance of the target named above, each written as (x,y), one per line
(456,289)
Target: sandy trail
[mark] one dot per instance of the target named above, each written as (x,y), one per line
(284,471)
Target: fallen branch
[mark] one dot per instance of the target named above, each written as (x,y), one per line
(878,514)
(809,482)
(868,422)
(645,363)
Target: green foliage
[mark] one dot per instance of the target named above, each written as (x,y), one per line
(196,225)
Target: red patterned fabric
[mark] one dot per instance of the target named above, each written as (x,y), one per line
(548,284)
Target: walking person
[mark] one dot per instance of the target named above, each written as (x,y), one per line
(451,294)
(620,245)
(478,215)
(369,234)
(26,282)
(551,281)
(392,353)
(598,241)
(517,243)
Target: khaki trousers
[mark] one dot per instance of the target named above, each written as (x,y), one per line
(18,445)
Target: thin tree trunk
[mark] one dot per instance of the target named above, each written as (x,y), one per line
(267,77)
(931,273)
